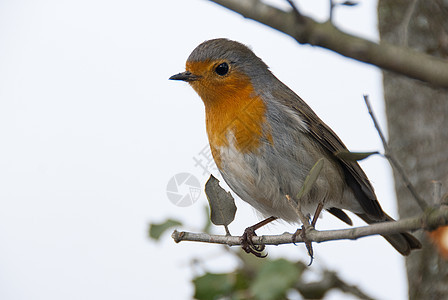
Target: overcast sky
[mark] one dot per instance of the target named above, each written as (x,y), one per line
(92,130)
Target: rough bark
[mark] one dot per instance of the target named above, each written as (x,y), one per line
(417,117)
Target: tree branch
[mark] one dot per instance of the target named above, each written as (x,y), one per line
(305,30)
(391,158)
(430,220)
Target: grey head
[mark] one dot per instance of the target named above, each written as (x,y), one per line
(239,57)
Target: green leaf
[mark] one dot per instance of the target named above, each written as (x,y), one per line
(156,230)
(311,178)
(353,156)
(213,286)
(222,205)
(274,279)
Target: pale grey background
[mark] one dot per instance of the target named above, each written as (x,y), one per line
(91,130)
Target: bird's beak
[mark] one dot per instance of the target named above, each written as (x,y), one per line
(185,76)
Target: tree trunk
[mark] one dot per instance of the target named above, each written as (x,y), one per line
(417,116)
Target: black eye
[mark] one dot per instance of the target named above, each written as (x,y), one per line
(222,69)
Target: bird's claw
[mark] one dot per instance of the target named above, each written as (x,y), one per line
(248,245)
(309,246)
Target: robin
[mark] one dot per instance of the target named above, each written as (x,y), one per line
(265,139)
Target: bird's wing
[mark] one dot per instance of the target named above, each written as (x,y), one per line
(354,175)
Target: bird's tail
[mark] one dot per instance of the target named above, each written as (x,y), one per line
(403,242)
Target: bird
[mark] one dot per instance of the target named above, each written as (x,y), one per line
(265,140)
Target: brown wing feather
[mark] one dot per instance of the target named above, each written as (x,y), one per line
(354,175)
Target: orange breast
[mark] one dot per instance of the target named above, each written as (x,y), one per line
(234,113)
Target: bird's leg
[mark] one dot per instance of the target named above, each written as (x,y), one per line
(308,245)
(305,221)
(319,208)
(302,231)
(246,239)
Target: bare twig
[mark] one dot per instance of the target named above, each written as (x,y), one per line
(296,11)
(395,164)
(305,30)
(429,220)
(332,6)
(375,123)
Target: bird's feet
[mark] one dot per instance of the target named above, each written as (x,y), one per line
(306,227)
(248,245)
(246,239)
(302,233)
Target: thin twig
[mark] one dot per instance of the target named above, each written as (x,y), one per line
(332,5)
(395,164)
(375,122)
(298,14)
(430,220)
